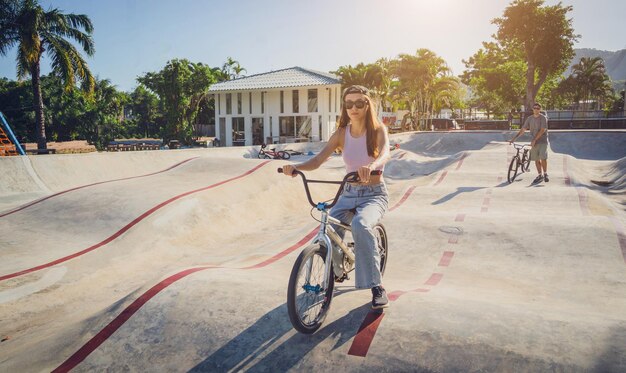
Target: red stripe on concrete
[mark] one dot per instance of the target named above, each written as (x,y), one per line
(105,333)
(88,185)
(568,180)
(486,201)
(366,333)
(460,217)
(443,175)
(117,322)
(446,258)
(395,295)
(278,256)
(126,227)
(453,239)
(404,198)
(621,235)
(434,279)
(461,161)
(583,200)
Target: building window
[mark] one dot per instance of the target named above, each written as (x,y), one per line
(295,101)
(295,128)
(250,101)
(282,102)
(239,135)
(262,102)
(229,103)
(312,100)
(219,104)
(320,128)
(330,97)
(239,103)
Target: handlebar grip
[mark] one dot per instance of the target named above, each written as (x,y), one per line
(280,170)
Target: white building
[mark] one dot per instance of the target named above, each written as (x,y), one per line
(290,105)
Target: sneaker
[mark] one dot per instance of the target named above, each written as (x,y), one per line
(545,178)
(538,179)
(379,298)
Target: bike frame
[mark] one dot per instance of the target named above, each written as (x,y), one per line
(327,233)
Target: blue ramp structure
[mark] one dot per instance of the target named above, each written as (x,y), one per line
(8,142)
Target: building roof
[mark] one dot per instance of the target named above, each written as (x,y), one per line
(291,77)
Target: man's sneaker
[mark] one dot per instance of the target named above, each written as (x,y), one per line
(379,298)
(545,178)
(538,179)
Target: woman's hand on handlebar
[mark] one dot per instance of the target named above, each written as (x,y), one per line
(289,169)
(364,174)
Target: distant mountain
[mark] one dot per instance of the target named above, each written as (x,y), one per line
(615,62)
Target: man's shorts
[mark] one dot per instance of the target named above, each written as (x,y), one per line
(539,151)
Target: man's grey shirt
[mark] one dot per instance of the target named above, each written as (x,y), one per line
(534,124)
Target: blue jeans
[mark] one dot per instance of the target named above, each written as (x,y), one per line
(362,206)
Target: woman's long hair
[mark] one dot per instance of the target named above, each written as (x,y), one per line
(371,119)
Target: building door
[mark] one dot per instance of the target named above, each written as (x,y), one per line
(257,131)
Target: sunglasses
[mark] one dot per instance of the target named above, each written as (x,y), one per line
(537,107)
(360,104)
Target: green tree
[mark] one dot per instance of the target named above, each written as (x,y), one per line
(232,69)
(145,110)
(180,86)
(542,35)
(589,82)
(422,80)
(34,31)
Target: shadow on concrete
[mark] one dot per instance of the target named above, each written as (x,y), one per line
(242,350)
(613,359)
(458,191)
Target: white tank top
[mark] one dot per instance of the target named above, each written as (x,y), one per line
(355,152)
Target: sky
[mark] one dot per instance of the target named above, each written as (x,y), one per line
(134,37)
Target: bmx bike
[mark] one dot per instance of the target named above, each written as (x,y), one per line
(313,276)
(272,153)
(519,161)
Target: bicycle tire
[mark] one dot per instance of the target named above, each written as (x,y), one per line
(261,154)
(381,242)
(314,299)
(283,155)
(526,162)
(513,167)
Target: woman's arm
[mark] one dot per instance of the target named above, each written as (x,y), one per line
(383,155)
(383,145)
(320,158)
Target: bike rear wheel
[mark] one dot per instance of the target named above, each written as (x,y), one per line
(381,243)
(283,155)
(513,167)
(307,301)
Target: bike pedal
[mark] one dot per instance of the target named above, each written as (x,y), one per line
(342,278)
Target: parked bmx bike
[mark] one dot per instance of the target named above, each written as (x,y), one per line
(272,153)
(312,279)
(519,161)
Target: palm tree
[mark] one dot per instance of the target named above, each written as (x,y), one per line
(35,31)
(590,80)
(232,69)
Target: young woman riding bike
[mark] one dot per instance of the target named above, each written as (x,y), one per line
(364,144)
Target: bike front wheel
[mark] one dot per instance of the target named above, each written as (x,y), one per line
(308,301)
(513,167)
(381,244)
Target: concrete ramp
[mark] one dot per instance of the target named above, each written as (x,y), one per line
(180,262)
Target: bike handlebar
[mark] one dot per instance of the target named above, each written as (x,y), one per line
(351,177)
(520,146)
